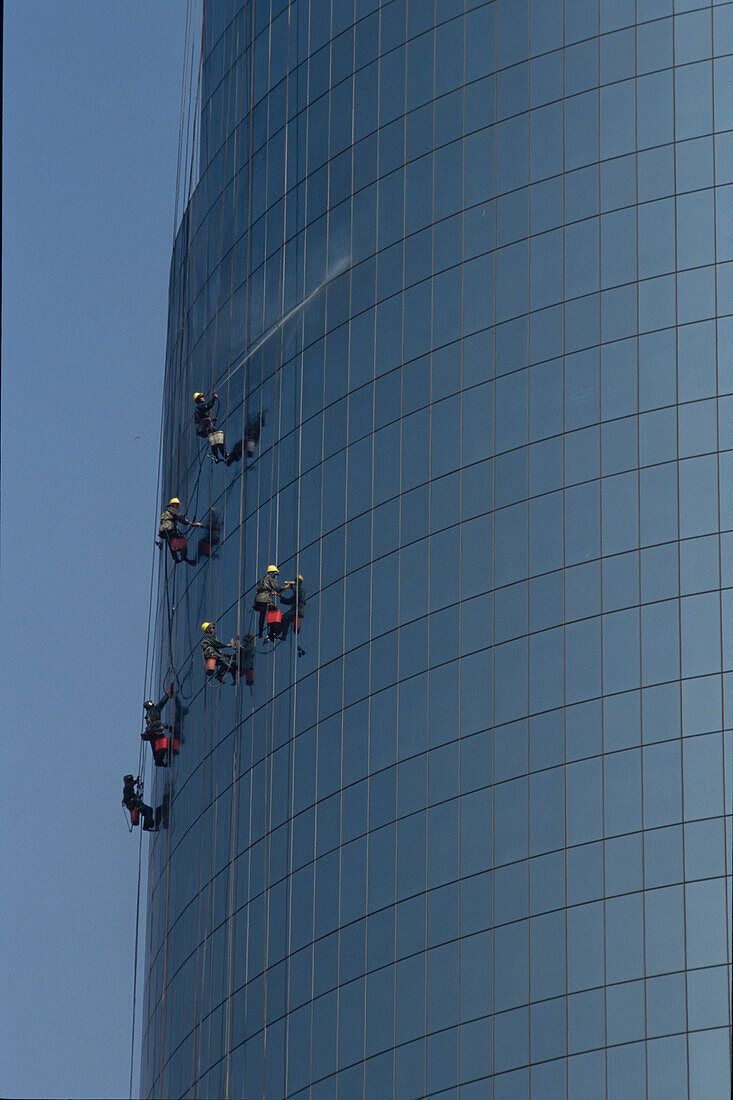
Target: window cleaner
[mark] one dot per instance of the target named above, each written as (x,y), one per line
(265,604)
(155,732)
(132,790)
(206,428)
(212,649)
(172,535)
(206,425)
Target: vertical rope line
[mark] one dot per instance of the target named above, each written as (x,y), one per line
(137,941)
(292,746)
(679,542)
(168,830)
(564,550)
(399,554)
(233,870)
(639,573)
(493,533)
(213,581)
(269,712)
(428,677)
(346,549)
(248,323)
(279,357)
(217,570)
(281,279)
(371,551)
(460,528)
(149,664)
(208,952)
(320,609)
(720,511)
(320,672)
(527,547)
(601,552)
(186,40)
(196,1029)
(270,706)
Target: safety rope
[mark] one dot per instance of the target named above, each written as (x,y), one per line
(149,664)
(234,809)
(213,581)
(185,313)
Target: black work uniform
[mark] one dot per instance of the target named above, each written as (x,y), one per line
(204,423)
(206,427)
(264,600)
(131,800)
(153,723)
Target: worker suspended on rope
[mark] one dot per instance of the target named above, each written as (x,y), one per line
(296,611)
(206,428)
(265,603)
(169,531)
(212,649)
(252,430)
(155,731)
(132,790)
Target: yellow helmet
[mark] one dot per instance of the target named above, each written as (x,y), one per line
(272,569)
(173,500)
(198,397)
(207,626)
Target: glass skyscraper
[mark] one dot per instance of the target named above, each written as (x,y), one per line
(467,834)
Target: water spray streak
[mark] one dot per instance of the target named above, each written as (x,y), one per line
(274,329)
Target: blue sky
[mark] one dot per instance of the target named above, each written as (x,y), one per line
(90,131)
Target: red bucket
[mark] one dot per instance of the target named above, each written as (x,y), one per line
(210,665)
(161,744)
(274,617)
(178,543)
(134,816)
(296,625)
(249,676)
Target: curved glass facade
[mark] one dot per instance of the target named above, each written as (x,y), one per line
(474,263)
